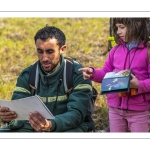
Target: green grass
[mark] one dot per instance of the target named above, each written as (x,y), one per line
(86,41)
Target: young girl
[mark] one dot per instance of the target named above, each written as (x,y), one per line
(128,111)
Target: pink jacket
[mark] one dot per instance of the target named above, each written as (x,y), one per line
(137,59)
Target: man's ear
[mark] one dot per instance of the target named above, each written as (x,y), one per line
(63,48)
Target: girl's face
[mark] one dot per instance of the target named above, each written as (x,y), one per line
(121,31)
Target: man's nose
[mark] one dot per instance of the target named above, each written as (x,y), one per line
(45,56)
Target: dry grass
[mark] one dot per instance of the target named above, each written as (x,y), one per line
(86,41)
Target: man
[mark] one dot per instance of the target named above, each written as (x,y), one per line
(69,110)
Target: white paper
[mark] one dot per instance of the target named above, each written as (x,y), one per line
(26,105)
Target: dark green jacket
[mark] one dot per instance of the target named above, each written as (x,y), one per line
(70,111)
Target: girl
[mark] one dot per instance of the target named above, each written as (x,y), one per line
(130,111)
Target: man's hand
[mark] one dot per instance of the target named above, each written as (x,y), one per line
(39,123)
(87,72)
(6,114)
(134,83)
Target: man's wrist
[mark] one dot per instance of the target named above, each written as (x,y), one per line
(47,126)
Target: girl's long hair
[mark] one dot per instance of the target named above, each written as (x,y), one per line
(136,29)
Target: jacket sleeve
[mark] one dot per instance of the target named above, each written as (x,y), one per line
(144,85)
(77,105)
(99,74)
(22,89)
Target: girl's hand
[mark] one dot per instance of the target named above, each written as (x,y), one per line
(87,72)
(134,83)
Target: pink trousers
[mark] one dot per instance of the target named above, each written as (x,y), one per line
(124,121)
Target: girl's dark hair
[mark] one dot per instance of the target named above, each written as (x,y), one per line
(51,32)
(136,29)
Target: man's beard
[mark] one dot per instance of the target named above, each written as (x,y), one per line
(53,67)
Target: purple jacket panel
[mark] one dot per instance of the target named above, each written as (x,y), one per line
(137,60)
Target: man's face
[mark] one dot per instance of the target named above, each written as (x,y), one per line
(48,53)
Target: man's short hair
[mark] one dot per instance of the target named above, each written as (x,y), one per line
(51,32)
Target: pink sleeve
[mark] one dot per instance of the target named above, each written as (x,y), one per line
(97,75)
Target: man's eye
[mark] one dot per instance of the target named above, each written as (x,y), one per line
(49,52)
(40,52)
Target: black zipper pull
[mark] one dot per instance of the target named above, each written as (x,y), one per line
(59,83)
(60,80)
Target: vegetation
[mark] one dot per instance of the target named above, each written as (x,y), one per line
(86,41)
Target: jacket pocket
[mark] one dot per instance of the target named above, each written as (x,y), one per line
(146,96)
(138,99)
(112,97)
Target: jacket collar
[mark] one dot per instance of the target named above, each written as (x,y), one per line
(140,45)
